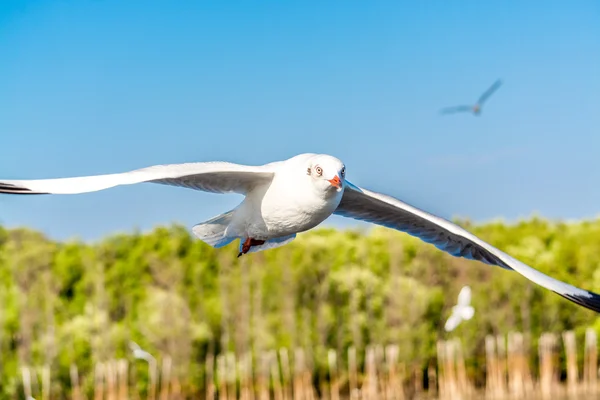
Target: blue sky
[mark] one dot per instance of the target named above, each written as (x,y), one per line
(92,87)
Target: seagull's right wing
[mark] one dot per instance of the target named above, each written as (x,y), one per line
(489,92)
(215,177)
(377,208)
(464,297)
(456,109)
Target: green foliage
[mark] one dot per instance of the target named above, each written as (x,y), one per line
(78,303)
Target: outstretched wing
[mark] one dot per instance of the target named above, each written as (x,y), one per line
(216,177)
(452,322)
(464,297)
(384,210)
(456,109)
(489,92)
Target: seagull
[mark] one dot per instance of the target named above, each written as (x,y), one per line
(286,197)
(461,311)
(476,108)
(139,353)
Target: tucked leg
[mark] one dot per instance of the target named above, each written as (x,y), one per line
(249,242)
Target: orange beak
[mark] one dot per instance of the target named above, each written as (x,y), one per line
(336,182)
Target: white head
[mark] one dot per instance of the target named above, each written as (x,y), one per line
(327,173)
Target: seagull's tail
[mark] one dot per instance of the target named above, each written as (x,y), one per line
(214,231)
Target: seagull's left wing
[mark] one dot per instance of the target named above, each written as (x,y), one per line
(456,109)
(452,322)
(387,211)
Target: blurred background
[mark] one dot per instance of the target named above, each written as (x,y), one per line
(103,86)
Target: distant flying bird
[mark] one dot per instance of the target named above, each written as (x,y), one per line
(286,197)
(462,311)
(476,108)
(139,353)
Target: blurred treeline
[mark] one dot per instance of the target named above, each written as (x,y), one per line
(65,303)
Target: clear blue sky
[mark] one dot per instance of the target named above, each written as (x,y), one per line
(91,87)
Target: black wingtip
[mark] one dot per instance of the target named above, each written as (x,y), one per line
(8,188)
(592,302)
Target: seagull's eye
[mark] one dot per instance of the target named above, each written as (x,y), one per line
(319,170)
(343,172)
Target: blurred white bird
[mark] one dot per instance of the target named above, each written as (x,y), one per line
(462,311)
(139,353)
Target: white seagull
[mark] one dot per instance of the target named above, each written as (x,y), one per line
(286,197)
(462,311)
(476,108)
(139,353)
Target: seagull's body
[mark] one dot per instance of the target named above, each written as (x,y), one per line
(286,205)
(295,195)
(475,108)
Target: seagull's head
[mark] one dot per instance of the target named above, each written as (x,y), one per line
(327,173)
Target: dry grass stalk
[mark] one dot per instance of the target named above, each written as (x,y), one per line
(284,360)
(209,368)
(221,376)
(441,375)
(333,374)
(122,368)
(165,378)
(548,365)
(380,368)
(300,392)
(231,374)
(450,370)
(394,387)
(99,382)
(26,376)
(176,390)
(464,386)
(433,381)
(246,381)
(75,388)
(520,382)
(275,376)
(501,356)
(111,380)
(353,373)
(369,386)
(153,371)
(45,382)
(590,366)
(263,377)
(571,356)
(492,389)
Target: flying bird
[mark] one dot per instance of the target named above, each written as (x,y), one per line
(139,353)
(476,108)
(284,198)
(462,311)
